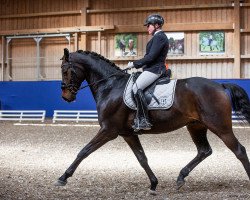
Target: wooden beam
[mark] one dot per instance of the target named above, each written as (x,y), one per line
(57,30)
(246,30)
(237,60)
(8,66)
(83,41)
(205,57)
(245,56)
(175,7)
(3,58)
(245,4)
(177,27)
(76,45)
(42,14)
(198,26)
(99,42)
(84,16)
(83,36)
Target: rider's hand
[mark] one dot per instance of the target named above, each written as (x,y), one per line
(130,65)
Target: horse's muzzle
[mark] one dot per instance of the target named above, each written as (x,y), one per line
(65,99)
(68,96)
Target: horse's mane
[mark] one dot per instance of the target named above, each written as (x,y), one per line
(100,57)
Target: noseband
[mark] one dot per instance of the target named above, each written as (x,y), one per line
(73,85)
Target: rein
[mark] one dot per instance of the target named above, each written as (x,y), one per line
(95,83)
(72,86)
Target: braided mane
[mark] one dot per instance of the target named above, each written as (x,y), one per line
(96,55)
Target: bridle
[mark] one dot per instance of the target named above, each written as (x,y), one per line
(74,84)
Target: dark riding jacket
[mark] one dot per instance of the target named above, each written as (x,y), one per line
(156,53)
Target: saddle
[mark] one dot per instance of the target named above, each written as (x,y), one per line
(159,95)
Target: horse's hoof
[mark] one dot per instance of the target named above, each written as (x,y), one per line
(152,192)
(60,183)
(180,184)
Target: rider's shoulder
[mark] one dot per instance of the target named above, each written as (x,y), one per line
(161,36)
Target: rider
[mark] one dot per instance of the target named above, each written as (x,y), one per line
(153,64)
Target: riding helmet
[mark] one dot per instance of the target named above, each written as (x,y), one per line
(154,19)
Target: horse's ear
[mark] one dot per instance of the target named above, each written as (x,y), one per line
(66,54)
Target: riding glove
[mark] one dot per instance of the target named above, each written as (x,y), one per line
(130,64)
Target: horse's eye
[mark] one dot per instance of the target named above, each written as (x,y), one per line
(64,70)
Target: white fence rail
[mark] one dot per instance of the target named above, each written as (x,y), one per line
(238,117)
(91,115)
(75,115)
(66,115)
(23,115)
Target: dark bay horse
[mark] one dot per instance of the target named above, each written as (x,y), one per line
(200,104)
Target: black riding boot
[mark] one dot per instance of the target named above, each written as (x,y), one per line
(141,121)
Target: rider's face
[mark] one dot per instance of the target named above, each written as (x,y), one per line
(150,28)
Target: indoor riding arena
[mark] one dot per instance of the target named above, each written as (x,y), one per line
(59,140)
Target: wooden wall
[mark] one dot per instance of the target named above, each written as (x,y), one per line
(93,25)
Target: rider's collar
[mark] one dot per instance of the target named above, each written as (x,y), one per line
(157,32)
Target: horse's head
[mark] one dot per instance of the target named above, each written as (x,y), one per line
(72,76)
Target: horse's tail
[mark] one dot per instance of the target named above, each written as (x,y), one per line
(240,100)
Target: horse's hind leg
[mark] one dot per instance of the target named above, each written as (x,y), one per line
(134,143)
(199,136)
(239,150)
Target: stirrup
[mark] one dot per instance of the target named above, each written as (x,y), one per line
(145,124)
(136,125)
(142,124)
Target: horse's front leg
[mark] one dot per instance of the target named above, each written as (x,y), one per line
(135,144)
(100,139)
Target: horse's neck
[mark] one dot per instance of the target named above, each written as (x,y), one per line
(107,87)
(98,71)
(101,76)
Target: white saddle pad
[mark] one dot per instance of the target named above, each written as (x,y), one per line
(164,93)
